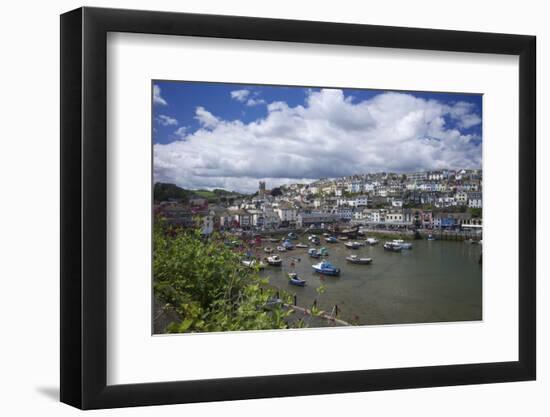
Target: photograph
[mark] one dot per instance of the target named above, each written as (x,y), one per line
(291,207)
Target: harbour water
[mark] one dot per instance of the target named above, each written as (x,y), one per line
(436,281)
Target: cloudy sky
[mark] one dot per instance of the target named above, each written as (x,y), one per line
(230,136)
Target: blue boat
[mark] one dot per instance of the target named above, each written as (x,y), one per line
(287,244)
(293,279)
(326,268)
(313,253)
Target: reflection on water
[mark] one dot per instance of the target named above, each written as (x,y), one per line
(434,282)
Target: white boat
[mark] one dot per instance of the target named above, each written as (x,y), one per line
(253,263)
(352,245)
(281,248)
(301,245)
(404,245)
(392,246)
(274,260)
(268,249)
(354,259)
(372,241)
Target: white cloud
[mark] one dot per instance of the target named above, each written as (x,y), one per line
(240,95)
(157,98)
(164,120)
(181,132)
(254,102)
(328,136)
(206,118)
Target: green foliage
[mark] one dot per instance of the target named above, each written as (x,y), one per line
(475,212)
(165,192)
(204,283)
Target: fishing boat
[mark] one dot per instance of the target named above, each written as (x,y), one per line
(354,259)
(404,245)
(294,279)
(331,239)
(281,248)
(268,249)
(431,237)
(274,260)
(301,245)
(312,252)
(372,241)
(326,268)
(288,245)
(352,245)
(323,251)
(392,247)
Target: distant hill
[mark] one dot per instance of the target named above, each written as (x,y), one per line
(165,192)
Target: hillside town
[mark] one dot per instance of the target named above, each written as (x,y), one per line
(427,200)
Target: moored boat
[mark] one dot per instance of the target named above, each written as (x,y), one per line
(301,245)
(274,260)
(392,247)
(331,239)
(326,268)
(354,259)
(314,239)
(294,279)
(404,245)
(372,241)
(343,238)
(431,237)
(288,245)
(352,245)
(292,235)
(253,263)
(268,249)
(323,251)
(281,248)
(312,252)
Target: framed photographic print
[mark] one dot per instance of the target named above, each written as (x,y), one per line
(258,207)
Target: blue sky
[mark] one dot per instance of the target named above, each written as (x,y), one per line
(214,135)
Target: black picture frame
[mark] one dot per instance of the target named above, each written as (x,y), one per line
(84,207)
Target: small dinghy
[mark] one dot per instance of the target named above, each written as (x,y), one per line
(354,259)
(352,245)
(268,249)
(313,253)
(253,263)
(274,260)
(294,279)
(301,245)
(331,239)
(281,248)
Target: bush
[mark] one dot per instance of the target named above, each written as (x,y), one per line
(204,283)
